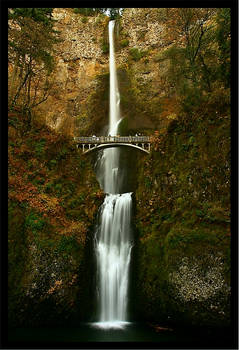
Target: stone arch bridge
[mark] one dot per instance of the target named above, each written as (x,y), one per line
(93,143)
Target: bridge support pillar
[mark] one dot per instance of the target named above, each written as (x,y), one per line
(83,148)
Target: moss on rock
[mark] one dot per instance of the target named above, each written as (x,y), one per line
(183,222)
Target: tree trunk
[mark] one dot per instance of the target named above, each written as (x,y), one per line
(13,77)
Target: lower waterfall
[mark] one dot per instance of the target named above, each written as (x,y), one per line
(113,249)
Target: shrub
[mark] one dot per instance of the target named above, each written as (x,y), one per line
(67,245)
(76,10)
(49,186)
(62,154)
(158,57)
(84,11)
(100,18)
(148,182)
(105,47)
(39,148)
(12,144)
(136,54)
(84,19)
(52,164)
(76,202)
(58,189)
(34,222)
(29,165)
(124,42)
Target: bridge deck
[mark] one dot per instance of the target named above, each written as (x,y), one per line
(113,139)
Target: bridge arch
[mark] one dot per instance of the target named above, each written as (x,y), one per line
(108,145)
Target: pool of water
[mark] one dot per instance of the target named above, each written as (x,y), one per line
(138,335)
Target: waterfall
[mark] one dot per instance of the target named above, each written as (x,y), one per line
(113,238)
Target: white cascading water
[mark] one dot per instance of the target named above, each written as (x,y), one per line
(113,241)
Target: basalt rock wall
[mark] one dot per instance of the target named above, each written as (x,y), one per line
(78,101)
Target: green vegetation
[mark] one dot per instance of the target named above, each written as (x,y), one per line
(194,66)
(114,12)
(89,11)
(223,35)
(124,42)
(105,47)
(34,222)
(136,54)
(37,14)
(84,20)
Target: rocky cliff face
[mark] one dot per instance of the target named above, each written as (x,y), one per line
(79,59)
(79,96)
(183,220)
(142,36)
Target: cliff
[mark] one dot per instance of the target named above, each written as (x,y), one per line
(78,101)
(183,221)
(79,63)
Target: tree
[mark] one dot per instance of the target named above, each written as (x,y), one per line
(113,12)
(91,11)
(43,15)
(223,36)
(194,50)
(31,39)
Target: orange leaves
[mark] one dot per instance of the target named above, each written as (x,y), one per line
(90,211)
(99,194)
(56,286)
(73,281)
(21,190)
(76,229)
(32,183)
(17,150)
(156,142)
(24,148)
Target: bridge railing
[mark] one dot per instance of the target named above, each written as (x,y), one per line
(112,139)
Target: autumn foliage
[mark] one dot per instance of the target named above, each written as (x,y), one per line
(45,174)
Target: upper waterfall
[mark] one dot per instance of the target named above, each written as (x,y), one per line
(114,92)
(108,164)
